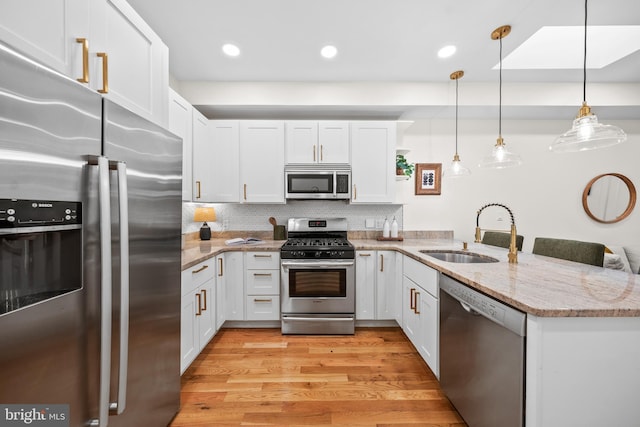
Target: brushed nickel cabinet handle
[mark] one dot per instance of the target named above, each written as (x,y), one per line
(204,267)
(105,72)
(245,191)
(220,272)
(262,300)
(364,254)
(412,301)
(416,309)
(321,153)
(85,59)
(355,192)
(262,255)
(199,302)
(314,153)
(198,186)
(262,274)
(381,263)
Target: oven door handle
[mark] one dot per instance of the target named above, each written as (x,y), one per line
(311,264)
(319,319)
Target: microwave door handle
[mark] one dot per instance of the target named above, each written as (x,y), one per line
(106,290)
(119,405)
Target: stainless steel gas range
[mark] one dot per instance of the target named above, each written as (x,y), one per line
(318,278)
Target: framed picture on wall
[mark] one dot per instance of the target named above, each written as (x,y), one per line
(428,178)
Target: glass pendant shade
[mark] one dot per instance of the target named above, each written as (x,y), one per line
(500,157)
(587,134)
(456,168)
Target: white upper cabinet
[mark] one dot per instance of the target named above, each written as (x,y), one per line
(46,30)
(180,123)
(103,43)
(134,69)
(301,142)
(373,162)
(203,154)
(218,164)
(333,137)
(313,142)
(262,161)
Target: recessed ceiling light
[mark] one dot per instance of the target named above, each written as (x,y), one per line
(329,51)
(446,51)
(231,50)
(561,47)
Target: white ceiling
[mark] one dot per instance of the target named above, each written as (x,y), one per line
(378,40)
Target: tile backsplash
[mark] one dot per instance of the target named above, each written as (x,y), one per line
(254,217)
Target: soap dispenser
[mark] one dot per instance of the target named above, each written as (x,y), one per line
(385,228)
(394,228)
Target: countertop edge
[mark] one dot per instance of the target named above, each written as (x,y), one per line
(198,252)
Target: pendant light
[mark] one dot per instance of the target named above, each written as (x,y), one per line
(456,168)
(586,133)
(500,157)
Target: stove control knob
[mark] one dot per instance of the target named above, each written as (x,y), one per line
(318,254)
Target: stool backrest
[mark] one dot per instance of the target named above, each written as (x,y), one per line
(571,250)
(503,240)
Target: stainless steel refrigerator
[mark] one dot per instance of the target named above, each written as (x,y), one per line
(90,224)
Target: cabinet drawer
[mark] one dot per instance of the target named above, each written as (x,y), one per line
(195,276)
(263,260)
(423,275)
(262,282)
(263,307)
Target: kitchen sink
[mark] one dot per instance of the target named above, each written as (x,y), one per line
(459,256)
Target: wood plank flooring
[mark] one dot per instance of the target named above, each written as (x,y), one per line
(260,377)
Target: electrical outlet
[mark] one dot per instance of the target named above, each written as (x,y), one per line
(225,224)
(379,223)
(369,223)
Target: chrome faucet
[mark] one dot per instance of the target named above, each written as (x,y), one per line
(513,251)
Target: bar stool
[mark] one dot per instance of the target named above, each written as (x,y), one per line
(495,238)
(571,250)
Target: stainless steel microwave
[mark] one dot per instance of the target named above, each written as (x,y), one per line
(327,182)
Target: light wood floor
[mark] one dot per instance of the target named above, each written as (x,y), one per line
(260,377)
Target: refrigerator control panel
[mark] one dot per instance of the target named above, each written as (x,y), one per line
(38,213)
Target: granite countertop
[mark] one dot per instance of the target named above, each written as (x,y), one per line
(538,285)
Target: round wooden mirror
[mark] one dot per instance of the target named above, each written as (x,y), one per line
(609,198)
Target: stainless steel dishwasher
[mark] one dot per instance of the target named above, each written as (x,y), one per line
(482,356)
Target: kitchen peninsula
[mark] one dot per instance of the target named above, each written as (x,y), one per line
(583,325)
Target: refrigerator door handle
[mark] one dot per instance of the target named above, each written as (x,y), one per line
(119,405)
(106,290)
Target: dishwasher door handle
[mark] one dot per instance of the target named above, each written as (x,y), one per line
(468,309)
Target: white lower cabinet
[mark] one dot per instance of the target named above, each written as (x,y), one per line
(262,280)
(377,279)
(420,310)
(234,285)
(221,291)
(197,319)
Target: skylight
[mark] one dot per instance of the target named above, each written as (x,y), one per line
(563,47)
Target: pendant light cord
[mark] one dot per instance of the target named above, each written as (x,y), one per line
(456,116)
(584,65)
(500,94)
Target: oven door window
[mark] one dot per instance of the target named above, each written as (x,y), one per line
(37,266)
(324,283)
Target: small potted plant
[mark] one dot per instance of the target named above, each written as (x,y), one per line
(402,166)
